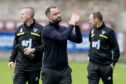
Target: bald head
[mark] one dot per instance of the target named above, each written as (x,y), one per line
(27,13)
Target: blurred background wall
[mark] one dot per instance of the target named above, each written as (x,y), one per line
(114,13)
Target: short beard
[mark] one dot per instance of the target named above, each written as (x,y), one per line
(58,20)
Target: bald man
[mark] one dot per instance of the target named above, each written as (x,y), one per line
(27,49)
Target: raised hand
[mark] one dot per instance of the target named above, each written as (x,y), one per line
(75,18)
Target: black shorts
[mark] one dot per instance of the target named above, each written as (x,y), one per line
(54,76)
(96,71)
(21,77)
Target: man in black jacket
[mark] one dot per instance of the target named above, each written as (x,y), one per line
(27,49)
(55,68)
(104,51)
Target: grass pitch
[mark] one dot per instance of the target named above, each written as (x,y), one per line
(79,73)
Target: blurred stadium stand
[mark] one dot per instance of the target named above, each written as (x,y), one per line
(113,11)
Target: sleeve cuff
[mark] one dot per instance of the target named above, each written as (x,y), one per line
(11,60)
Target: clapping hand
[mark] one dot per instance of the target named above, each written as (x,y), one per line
(75,18)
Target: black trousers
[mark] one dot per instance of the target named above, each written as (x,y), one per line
(54,76)
(21,77)
(96,71)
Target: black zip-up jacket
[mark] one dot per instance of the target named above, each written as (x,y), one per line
(103,46)
(55,39)
(28,37)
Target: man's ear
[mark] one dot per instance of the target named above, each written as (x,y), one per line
(49,16)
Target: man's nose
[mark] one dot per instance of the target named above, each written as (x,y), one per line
(58,15)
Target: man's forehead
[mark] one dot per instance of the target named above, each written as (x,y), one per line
(26,10)
(54,9)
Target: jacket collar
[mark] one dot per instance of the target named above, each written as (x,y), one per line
(54,24)
(102,26)
(31,26)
